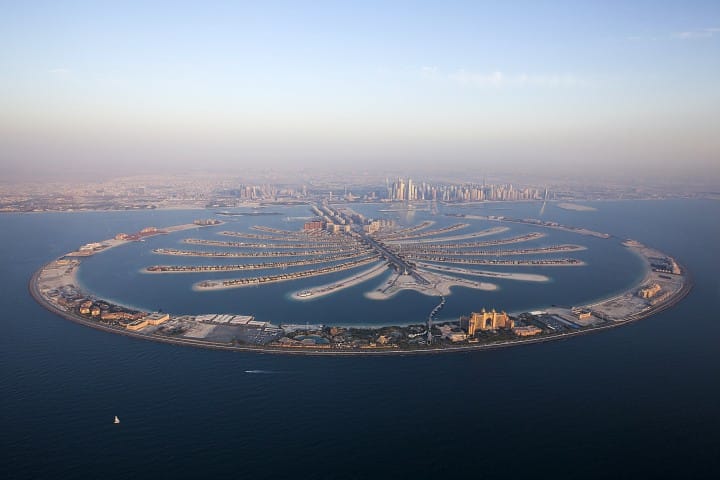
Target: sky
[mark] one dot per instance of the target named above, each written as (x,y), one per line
(627,88)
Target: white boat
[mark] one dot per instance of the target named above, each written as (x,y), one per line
(117,420)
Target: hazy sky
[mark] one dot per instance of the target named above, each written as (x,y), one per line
(574,86)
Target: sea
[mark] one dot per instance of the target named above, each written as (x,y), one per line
(641,401)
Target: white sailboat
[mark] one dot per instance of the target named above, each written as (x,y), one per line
(117,420)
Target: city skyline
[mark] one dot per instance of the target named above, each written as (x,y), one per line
(579,88)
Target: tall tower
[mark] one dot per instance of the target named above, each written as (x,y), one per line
(400,190)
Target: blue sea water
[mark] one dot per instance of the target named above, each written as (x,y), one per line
(116,274)
(639,401)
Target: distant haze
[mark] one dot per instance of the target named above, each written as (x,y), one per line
(573,88)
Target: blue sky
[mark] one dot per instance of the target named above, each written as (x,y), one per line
(572,87)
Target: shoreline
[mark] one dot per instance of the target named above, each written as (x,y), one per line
(441,285)
(482,233)
(523,277)
(32,287)
(230,283)
(565,248)
(264,204)
(175,269)
(618,310)
(347,282)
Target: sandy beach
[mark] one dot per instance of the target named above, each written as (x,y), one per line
(329,288)
(439,285)
(481,233)
(524,277)
(208,285)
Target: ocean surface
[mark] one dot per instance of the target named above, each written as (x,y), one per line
(641,401)
(118,273)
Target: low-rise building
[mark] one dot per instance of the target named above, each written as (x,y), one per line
(206,221)
(157,318)
(649,291)
(116,316)
(456,336)
(314,225)
(371,227)
(137,325)
(581,313)
(335,228)
(526,331)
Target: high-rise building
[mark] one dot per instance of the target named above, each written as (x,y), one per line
(485,321)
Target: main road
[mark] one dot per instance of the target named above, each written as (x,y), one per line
(400,263)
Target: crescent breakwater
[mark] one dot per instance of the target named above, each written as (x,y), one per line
(55,287)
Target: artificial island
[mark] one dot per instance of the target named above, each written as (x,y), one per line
(419,257)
